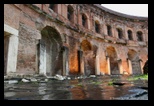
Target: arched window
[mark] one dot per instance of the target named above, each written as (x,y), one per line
(70,13)
(120,35)
(53,7)
(139,36)
(97,27)
(130,36)
(84,20)
(109,32)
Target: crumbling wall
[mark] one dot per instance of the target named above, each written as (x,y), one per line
(26,60)
(29,18)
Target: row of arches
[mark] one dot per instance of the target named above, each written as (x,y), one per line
(139,34)
(53,56)
(97,25)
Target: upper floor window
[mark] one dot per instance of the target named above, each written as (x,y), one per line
(53,7)
(130,36)
(109,32)
(97,27)
(120,34)
(139,36)
(70,13)
(84,20)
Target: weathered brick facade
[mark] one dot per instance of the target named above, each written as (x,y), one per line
(72,39)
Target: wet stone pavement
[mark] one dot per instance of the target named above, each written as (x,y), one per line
(90,88)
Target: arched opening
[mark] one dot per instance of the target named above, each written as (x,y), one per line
(120,33)
(97,26)
(89,57)
(139,36)
(86,46)
(135,64)
(112,55)
(84,21)
(109,30)
(51,51)
(70,11)
(53,7)
(130,36)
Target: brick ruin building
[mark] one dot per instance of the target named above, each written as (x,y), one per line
(72,39)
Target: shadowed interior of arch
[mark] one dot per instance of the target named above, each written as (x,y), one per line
(53,44)
(89,57)
(111,53)
(134,58)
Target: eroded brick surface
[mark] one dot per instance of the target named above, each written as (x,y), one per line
(31,19)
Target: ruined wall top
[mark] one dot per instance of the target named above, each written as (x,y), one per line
(92,20)
(121,14)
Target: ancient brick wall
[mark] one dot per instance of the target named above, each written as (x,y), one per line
(27,50)
(31,19)
(11,15)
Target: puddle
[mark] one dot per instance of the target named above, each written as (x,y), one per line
(75,89)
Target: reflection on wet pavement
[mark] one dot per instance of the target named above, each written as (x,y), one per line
(76,89)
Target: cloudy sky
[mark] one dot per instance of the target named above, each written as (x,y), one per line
(130,9)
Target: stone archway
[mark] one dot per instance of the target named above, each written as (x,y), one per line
(50,52)
(113,63)
(134,62)
(89,58)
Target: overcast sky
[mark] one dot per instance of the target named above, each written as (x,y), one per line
(130,9)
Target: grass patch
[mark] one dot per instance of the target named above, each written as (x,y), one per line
(144,77)
(110,83)
(79,84)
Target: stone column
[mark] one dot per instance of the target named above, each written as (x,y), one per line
(140,62)
(42,58)
(108,65)
(134,34)
(104,29)
(81,62)
(65,61)
(114,30)
(130,66)
(125,33)
(12,54)
(97,66)
(120,66)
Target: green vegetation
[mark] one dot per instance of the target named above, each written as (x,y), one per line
(144,77)
(91,82)
(79,84)
(110,83)
(96,83)
(20,82)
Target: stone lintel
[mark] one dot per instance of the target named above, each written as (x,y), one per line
(10,30)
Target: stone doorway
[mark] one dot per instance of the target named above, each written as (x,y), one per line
(89,58)
(10,49)
(134,58)
(50,52)
(112,55)
(6,43)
